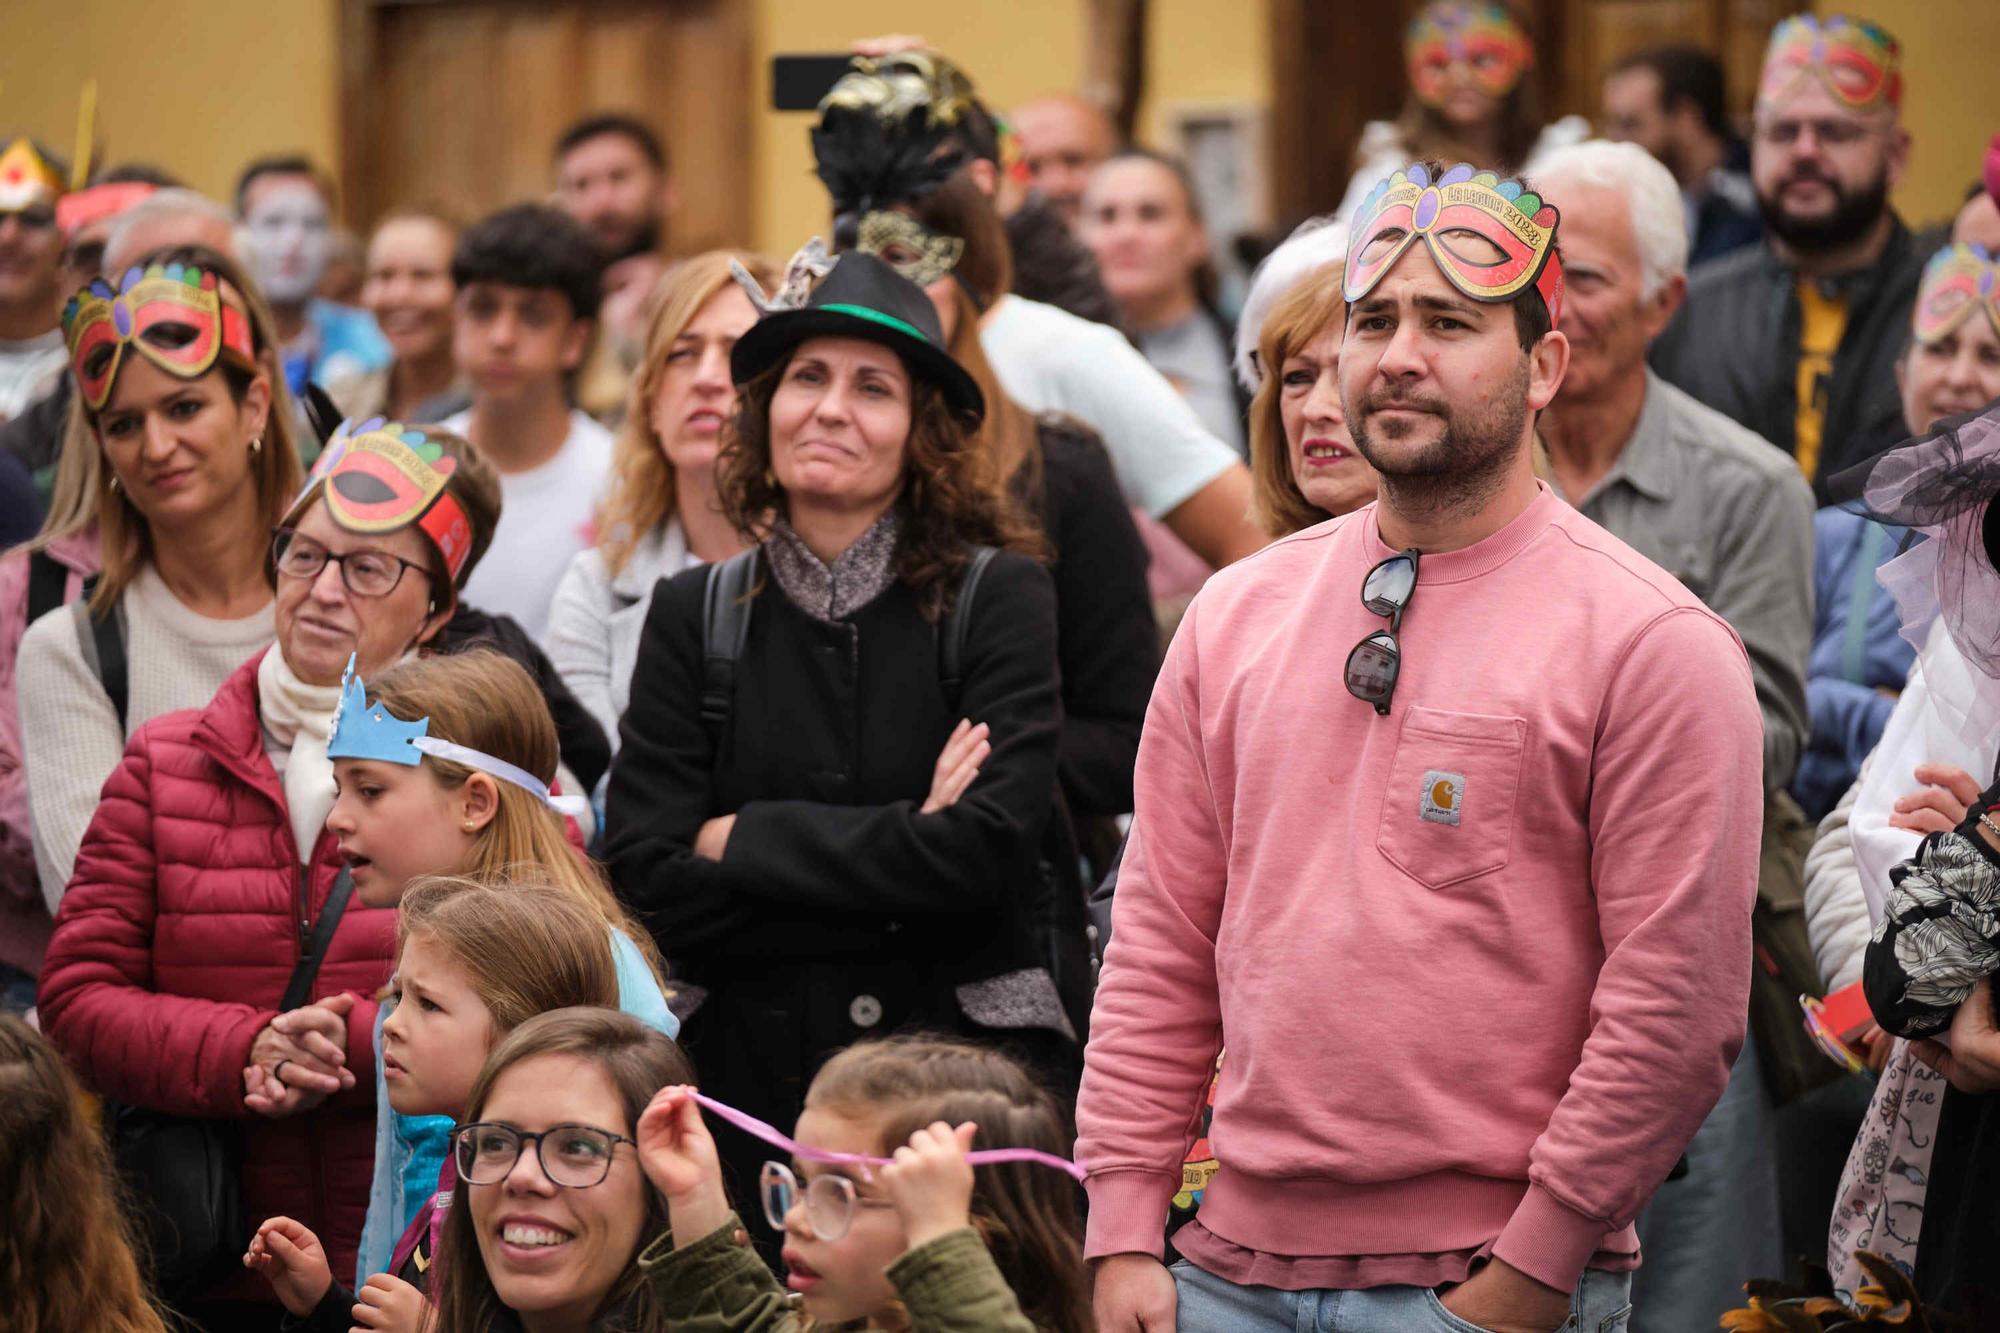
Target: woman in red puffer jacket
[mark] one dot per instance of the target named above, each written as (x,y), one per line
(207,864)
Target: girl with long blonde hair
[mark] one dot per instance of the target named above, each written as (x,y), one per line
(660,513)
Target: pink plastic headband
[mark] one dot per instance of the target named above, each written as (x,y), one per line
(756,1128)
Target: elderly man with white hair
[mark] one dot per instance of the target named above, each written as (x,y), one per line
(1732,518)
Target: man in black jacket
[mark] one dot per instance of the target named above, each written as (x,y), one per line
(1797,338)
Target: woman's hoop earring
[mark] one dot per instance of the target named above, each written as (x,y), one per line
(256,446)
(114,483)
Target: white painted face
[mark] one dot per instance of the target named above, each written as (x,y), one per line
(288,235)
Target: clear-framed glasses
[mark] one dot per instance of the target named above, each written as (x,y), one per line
(367,573)
(830,1200)
(1830,133)
(1375,662)
(572,1156)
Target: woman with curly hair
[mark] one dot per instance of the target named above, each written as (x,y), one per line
(63,1241)
(846,831)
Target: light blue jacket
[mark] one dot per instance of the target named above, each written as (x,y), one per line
(410,1149)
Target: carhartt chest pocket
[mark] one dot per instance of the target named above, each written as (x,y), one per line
(1448,814)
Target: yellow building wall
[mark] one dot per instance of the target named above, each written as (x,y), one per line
(202,86)
(198,87)
(1948,107)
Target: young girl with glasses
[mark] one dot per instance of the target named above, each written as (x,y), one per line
(928,1240)
(476,960)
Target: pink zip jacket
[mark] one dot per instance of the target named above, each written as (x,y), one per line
(1481,966)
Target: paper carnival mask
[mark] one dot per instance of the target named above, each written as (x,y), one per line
(1855,59)
(1445,214)
(382,475)
(1482,36)
(26,179)
(178,316)
(1959,280)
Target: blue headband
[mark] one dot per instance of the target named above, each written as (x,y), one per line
(365,731)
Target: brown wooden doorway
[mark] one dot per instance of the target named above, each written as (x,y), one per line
(456,103)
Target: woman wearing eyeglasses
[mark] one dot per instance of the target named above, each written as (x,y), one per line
(552,1209)
(206,873)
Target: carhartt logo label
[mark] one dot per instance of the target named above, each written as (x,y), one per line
(1444,794)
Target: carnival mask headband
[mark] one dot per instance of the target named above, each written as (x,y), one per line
(1958,280)
(1856,60)
(178,316)
(26,179)
(1408,206)
(382,475)
(362,731)
(908,246)
(756,1128)
(1483,37)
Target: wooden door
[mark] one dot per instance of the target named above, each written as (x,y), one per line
(456,103)
(1334,68)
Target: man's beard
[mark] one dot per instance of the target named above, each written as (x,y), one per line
(1853,215)
(1464,466)
(644,238)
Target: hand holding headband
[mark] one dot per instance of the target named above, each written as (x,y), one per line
(1959,279)
(1408,207)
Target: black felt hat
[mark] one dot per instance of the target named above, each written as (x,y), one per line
(862,297)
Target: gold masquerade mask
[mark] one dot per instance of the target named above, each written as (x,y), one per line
(908,246)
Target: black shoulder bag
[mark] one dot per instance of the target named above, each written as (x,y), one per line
(183,1173)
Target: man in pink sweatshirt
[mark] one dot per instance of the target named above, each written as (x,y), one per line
(1447,829)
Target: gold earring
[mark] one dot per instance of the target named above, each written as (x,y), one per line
(114,483)
(471,824)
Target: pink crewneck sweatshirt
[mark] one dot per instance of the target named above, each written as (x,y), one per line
(1481,966)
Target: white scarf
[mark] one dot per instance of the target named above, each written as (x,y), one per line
(298,717)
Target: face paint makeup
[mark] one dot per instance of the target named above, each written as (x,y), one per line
(1483,37)
(1857,60)
(177,316)
(289,239)
(1409,206)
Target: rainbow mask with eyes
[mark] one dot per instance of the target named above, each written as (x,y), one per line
(382,475)
(1959,280)
(1409,206)
(178,316)
(1856,60)
(1483,37)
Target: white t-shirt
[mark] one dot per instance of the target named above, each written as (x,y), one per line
(29,368)
(547,515)
(1048,360)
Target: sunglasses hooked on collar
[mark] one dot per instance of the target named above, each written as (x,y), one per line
(1374,663)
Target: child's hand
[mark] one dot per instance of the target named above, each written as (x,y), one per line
(390,1305)
(930,1182)
(678,1156)
(292,1261)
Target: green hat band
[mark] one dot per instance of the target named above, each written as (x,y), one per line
(863,312)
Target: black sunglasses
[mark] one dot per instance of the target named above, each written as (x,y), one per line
(1375,662)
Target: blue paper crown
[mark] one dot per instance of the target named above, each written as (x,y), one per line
(362,732)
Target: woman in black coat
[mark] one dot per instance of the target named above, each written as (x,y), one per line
(831,838)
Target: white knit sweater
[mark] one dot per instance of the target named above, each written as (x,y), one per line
(70,738)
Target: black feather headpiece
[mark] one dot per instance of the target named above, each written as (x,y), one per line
(890,132)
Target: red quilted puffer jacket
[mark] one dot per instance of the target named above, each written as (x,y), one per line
(175,940)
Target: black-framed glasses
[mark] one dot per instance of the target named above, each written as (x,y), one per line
(830,1200)
(367,573)
(572,1156)
(1375,662)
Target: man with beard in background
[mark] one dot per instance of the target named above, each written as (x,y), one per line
(1797,338)
(612,176)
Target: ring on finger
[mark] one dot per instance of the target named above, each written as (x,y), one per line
(278,1070)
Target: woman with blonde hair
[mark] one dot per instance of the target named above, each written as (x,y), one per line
(1303,462)
(64,1241)
(660,514)
(178,458)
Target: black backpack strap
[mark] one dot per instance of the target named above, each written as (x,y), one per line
(725,625)
(47,577)
(300,986)
(103,642)
(958,626)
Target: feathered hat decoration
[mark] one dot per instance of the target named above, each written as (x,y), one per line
(888,132)
(808,266)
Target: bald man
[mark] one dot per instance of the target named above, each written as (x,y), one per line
(1062,139)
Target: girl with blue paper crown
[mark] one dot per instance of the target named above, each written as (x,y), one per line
(460,788)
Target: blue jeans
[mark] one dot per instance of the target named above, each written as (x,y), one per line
(1208,1304)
